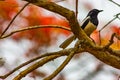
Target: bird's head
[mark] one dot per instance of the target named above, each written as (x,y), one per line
(94,12)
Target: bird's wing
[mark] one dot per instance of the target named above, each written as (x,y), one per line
(85,22)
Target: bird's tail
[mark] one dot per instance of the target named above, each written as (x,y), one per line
(67,42)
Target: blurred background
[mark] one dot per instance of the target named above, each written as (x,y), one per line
(23,46)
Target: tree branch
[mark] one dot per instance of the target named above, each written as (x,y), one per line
(35,27)
(68,14)
(114,2)
(116,17)
(35,66)
(76,8)
(61,52)
(45,60)
(105,55)
(13,19)
(110,41)
(108,56)
(64,52)
(67,60)
(108,23)
(89,46)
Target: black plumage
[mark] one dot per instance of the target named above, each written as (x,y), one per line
(92,18)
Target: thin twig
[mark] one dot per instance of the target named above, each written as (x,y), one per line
(114,2)
(110,41)
(67,60)
(35,27)
(107,24)
(62,52)
(104,27)
(116,17)
(13,19)
(26,63)
(76,8)
(60,67)
(35,66)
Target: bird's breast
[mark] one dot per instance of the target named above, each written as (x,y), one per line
(90,27)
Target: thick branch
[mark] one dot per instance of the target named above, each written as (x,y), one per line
(44,61)
(89,46)
(107,56)
(68,14)
(110,57)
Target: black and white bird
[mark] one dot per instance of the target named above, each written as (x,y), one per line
(89,24)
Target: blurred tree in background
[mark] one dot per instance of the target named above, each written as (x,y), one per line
(36,30)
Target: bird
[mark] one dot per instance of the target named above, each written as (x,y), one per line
(89,24)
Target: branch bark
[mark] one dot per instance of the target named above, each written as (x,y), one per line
(99,52)
(34,27)
(68,14)
(106,55)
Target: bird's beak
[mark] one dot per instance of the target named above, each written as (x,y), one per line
(100,10)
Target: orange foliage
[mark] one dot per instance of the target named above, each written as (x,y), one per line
(105,37)
(116,29)
(7,8)
(95,36)
(36,16)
